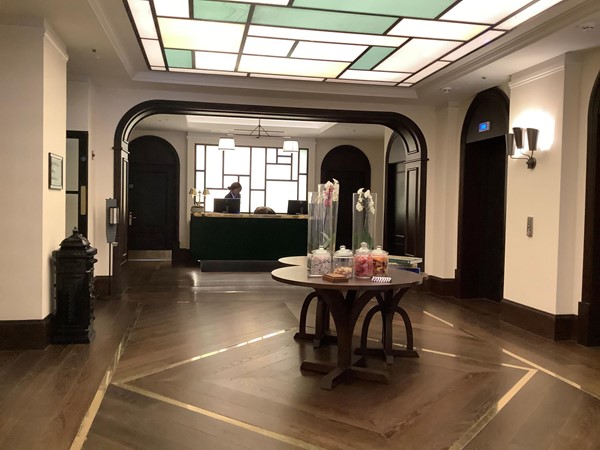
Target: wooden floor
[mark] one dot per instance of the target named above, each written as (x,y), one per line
(209,362)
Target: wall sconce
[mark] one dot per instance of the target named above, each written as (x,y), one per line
(290,146)
(205,192)
(194,193)
(226,143)
(515,139)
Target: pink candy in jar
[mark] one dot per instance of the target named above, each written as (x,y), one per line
(363,262)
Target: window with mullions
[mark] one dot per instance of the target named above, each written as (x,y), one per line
(269,176)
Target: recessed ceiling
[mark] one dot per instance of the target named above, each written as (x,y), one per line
(384,42)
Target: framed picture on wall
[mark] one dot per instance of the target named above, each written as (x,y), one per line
(55,171)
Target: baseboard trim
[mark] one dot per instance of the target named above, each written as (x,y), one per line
(101,286)
(560,327)
(445,287)
(25,334)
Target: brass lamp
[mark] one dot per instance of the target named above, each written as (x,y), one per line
(205,192)
(194,193)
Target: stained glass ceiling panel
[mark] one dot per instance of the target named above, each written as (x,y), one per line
(381,42)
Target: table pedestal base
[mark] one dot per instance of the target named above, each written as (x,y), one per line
(335,375)
(322,335)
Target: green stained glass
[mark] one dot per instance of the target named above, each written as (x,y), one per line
(372,57)
(426,9)
(179,58)
(221,11)
(320,20)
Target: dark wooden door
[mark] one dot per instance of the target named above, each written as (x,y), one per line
(153,195)
(483,220)
(351,167)
(396,207)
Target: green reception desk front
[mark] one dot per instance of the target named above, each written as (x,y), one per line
(247,236)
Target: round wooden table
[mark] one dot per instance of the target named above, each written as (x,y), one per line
(345,302)
(293,260)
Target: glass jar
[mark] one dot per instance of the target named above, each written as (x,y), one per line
(380,261)
(343,262)
(363,262)
(320,263)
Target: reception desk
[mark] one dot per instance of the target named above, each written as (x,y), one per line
(245,237)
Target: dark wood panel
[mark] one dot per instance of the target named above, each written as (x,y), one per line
(25,334)
(413,215)
(558,327)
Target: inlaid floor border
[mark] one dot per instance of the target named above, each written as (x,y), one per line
(462,442)
(90,415)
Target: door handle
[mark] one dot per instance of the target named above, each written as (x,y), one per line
(131,217)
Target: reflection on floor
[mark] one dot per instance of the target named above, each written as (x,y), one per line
(211,363)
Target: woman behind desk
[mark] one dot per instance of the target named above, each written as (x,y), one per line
(234,190)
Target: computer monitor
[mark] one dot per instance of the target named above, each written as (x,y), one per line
(226,205)
(297,207)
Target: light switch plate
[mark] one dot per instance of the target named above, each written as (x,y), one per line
(530,226)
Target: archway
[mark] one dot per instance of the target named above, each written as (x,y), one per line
(404,225)
(482,200)
(588,321)
(394,121)
(351,167)
(153,191)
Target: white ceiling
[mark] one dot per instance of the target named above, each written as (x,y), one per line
(102,47)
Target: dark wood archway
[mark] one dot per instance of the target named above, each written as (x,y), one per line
(394,121)
(153,195)
(351,167)
(482,198)
(588,322)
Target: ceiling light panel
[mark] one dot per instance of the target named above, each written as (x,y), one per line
(144,21)
(385,42)
(411,8)
(326,36)
(435,29)
(267,46)
(321,20)
(290,66)
(371,75)
(201,35)
(416,54)
(527,14)
(172,8)
(331,52)
(473,45)
(478,11)
(215,61)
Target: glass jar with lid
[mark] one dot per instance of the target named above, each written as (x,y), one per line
(380,261)
(320,262)
(363,262)
(343,262)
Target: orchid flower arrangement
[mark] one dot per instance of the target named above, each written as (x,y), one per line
(363,219)
(365,200)
(331,193)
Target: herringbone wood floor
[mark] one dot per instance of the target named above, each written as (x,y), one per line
(210,362)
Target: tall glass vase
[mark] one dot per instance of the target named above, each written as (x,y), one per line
(322,220)
(364,209)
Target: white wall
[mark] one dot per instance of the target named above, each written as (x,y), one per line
(544,271)
(32,123)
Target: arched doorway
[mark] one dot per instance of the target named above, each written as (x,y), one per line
(351,167)
(153,191)
(588,322)
(394,121)
(404,230)
(482,200)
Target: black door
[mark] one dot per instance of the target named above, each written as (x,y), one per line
(396,208)
(153,195)
(483,220)
(351,167)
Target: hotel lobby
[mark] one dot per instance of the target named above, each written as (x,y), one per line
(475,127)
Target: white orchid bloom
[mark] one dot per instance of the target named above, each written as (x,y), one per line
(336,190)
(359,207)
(368,193)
